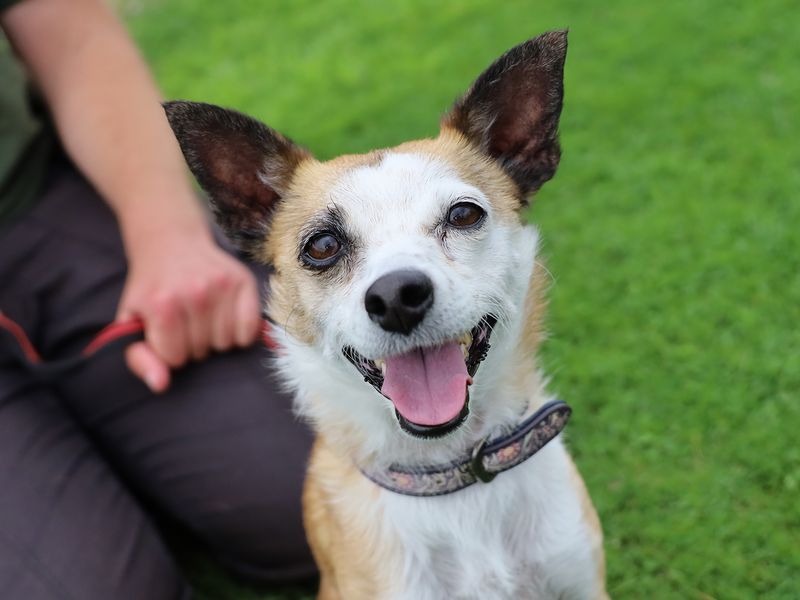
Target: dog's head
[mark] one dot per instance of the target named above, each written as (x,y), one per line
(394,270)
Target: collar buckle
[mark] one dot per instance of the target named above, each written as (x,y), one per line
(476,462)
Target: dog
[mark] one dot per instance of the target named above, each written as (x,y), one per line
(407,302)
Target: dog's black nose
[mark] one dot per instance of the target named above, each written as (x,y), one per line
(399,300)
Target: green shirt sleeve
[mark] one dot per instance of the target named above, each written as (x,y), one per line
(26,141)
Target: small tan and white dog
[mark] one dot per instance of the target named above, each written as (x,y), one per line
(393,270)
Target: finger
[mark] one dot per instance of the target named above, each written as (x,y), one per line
(248,313)
(199,311)
(223,323)
(147,366)
(166,332)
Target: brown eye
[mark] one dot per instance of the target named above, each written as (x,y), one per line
(322,249)
(465,214)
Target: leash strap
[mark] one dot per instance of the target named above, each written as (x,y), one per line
(484,462)
(115,335)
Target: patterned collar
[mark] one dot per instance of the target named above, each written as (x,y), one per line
(487,459)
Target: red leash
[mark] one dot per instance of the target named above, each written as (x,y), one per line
(118,333)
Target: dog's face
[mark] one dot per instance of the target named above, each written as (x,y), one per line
(394,270)
(395,263)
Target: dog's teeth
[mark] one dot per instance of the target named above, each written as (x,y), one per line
(381,364)
(466,342)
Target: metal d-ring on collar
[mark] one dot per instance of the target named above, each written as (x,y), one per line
(476,462)
(483,463)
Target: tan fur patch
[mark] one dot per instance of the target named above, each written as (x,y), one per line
(590,516)
(292,294)
(353,556)
(472,166)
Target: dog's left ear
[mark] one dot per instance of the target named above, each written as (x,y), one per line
(243,165)
(511,112)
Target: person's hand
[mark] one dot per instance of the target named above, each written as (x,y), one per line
(192,297)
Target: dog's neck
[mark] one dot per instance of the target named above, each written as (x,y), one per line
(500,402)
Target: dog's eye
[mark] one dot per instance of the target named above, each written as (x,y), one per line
(465,214)
(321,249)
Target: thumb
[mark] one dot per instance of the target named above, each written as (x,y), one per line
(147,366)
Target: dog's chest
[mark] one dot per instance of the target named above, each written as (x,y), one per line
(507,539)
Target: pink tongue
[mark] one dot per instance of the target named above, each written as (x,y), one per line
(427,386)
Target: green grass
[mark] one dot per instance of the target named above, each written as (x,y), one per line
(672,230)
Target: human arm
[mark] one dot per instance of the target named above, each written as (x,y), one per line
(191,295)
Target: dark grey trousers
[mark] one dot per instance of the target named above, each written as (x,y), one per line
(90,463)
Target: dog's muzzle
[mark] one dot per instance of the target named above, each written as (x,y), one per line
(429,387)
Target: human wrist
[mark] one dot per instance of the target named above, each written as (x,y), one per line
(153,220)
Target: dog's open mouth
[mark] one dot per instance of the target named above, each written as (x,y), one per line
(429,387)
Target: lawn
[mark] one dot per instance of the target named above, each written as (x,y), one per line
(672,231)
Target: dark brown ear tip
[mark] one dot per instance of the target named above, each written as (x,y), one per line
(180,112)
(171,107)
(547,51)
(174,106)
(557,35)
(553,43)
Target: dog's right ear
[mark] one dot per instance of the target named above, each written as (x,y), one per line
(244,166)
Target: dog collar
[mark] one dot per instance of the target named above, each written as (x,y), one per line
(485,461)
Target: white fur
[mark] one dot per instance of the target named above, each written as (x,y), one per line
(522,536)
